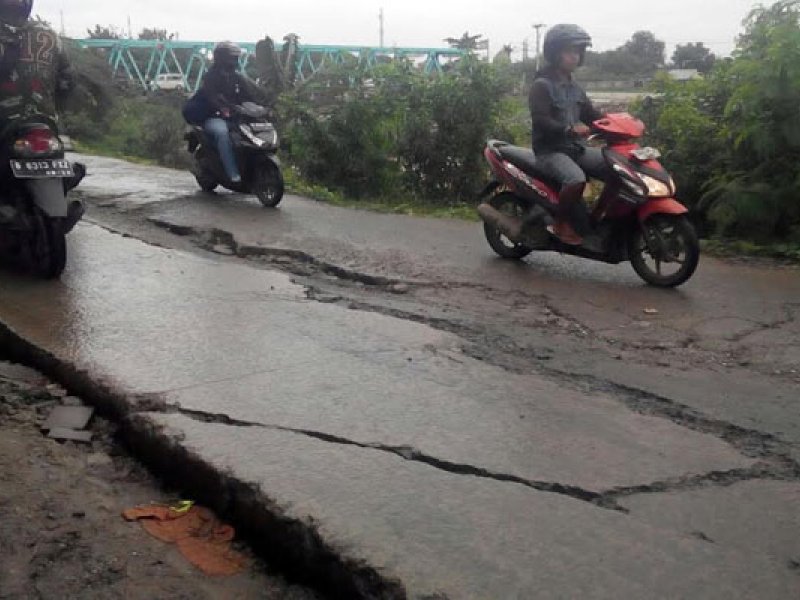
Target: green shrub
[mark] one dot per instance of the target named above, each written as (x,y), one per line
(733,140)
(399,132)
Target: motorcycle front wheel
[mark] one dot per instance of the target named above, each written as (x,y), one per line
(206,182)
(268,185)
(665,251)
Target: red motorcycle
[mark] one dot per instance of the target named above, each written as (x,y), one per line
(636,215)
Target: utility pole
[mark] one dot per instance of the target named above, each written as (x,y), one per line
(381,20)
(63,29)
(538,27)
(130,28)
(525,50)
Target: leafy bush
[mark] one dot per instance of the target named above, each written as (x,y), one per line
(733,140)
(398,131)
(151,129)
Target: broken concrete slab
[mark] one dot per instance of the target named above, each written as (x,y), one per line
(760,516)
(65,434)
(19,374)
(56,391)
(223,249)
(463,536)
(69,417)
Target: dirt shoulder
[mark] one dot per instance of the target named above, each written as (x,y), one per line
(61,533)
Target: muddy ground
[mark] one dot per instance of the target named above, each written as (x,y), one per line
(61,533)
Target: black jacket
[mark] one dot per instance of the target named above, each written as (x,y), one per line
(556,105)
(225,89)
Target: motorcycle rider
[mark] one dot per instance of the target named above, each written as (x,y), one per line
(35,73)
(225,89)
(561,113)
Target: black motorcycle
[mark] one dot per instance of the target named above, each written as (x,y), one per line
(35,214)
(255,142)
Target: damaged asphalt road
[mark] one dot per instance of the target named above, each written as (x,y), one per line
(412,417)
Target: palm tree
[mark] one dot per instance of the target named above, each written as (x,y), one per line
(467,42)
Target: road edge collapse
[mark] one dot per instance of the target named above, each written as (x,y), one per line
(292,546)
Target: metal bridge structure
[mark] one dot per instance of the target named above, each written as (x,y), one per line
(142,61)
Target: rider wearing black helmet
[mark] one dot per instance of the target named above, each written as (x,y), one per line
(561,113)
(225,88)
(35,74)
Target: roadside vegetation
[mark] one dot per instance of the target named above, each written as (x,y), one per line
(396,140)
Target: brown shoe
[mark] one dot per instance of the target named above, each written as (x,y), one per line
(564,232)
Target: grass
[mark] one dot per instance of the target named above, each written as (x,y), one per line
(100,149)
(726,248)
(396,206)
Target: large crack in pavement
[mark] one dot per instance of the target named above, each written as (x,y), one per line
(503,351)
(212,239)
(410,454)
(790,309)
(607,499)
(751,443)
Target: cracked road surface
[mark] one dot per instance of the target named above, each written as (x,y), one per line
(450,423)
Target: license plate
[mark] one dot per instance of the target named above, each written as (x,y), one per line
(40,169)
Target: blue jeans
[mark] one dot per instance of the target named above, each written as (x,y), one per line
(569,172)
(217,130)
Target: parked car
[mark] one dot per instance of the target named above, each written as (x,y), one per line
(168,82)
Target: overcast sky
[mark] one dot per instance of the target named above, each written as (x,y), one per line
(409,22)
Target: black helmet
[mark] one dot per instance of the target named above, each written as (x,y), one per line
(561,37)
(226,54)
(15,12)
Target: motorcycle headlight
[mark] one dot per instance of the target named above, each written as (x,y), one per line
(656,188)
(270,137)
(632,180)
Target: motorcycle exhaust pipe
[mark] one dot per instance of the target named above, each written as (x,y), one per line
(511,227)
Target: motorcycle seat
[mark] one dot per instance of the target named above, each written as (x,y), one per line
(525,160)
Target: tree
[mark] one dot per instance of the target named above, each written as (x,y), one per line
(641,56)
(733,138)
(276,71)
(645,51)
(761,23)
(101,32)
(694,56)
(504,56)
(154,34)
(470,43)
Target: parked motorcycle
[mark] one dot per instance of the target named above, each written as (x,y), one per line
(636,216)
(35,214)
(255,141)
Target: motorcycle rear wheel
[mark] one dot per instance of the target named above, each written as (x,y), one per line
(46,247)
(665,239)
(508,204)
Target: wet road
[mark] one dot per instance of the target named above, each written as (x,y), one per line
(726,343)
(467,426)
